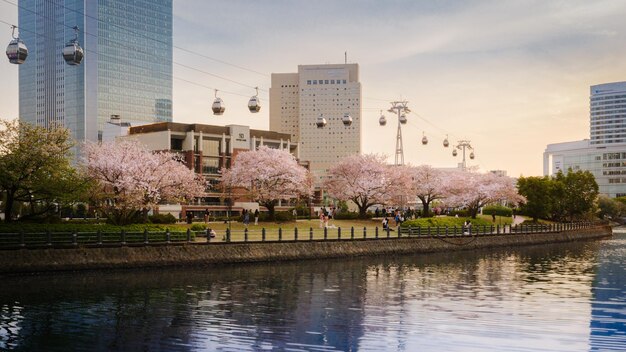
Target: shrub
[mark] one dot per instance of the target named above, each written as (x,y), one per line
(498,210)
(162,219)
(198,227)
(462,213)
(443,221)
(282,216)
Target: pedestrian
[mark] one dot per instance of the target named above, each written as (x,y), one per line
(256,217)
(206,215)
(376,212)
(322,221)
(246,218)
(295,214)
(493,217)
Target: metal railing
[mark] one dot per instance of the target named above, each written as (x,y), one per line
(49,239)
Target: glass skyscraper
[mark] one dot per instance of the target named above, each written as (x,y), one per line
(127,70)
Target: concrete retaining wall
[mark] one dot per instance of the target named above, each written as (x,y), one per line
(35,260)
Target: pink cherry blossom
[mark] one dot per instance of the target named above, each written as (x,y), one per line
(268,175)
(130,178)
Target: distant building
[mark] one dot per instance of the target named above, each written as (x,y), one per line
(298,99)
(498,172)
(126,71)
(604,154)
(206,149)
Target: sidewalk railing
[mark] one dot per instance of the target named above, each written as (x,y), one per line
(258,235)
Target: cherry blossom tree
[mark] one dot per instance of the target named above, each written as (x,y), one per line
(474,190)
(429,184)
(366,180)
(268,175)
(131,179)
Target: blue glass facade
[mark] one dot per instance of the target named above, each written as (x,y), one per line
(127,69)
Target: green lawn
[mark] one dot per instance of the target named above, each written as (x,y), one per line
(336,228)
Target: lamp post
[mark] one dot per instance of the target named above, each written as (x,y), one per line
(463,145)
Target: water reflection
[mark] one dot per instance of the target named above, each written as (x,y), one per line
(550,298)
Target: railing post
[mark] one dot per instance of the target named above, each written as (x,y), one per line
(168,236)
(437,230)
(310,234)
(376,232)
(145,236)
(419,230)
(295,233)
(447,232)
(280,234)
(49,238)
(364,232)
(208,234)
(454,231)
(388,231)
(352,232)
(99,236)
(410,231)
(429,231)
(188,235)
(22,239)
(339,233)
(227,235)
(263,234)
(498,229)
(399,231)
(74,238)
(325,233)
(245,235)
(491,228)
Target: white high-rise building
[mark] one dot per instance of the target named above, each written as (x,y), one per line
(604,154)
(298,99)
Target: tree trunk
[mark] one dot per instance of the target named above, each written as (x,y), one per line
(362,211)
(8,207)
(426,207)
(271,213)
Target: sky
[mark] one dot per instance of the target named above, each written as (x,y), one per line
(510,76)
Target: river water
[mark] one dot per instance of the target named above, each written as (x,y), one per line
(565,297)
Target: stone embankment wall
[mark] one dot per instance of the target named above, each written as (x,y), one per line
(37,260)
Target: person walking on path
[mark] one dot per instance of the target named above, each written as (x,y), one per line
(256,217)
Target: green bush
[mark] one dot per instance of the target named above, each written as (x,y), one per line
(443,221)
(198,227)
(462,213)
(162,219)
(283,216)
(498,210)
(72,227)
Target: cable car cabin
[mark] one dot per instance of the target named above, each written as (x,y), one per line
(218,106)
(17,51)
(403,119)
(254,104)
(472,155)
(424,140)
(320,122)
(73,54)
(347,120)
(382,120)
(454,152)
(446,143)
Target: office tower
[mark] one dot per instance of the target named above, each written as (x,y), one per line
(604,154)
(608,113)
(298,99)
(127,69)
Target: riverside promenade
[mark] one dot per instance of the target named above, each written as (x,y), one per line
(77,252)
